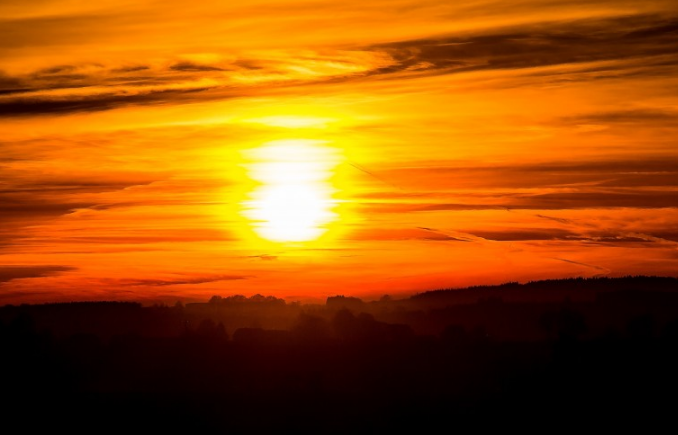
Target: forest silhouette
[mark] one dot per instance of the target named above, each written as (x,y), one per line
(564,351)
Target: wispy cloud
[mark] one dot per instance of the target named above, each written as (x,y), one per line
(96,86)
(175,281)
(578,263)
(9,273)
(538,45)
(40,105)
(384,234)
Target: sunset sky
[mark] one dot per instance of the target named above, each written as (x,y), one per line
(171,150)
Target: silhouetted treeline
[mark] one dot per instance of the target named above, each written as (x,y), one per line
(553,290)
(605,349)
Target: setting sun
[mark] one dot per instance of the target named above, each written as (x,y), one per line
(293,201)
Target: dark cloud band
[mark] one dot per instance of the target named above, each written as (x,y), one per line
(9,273)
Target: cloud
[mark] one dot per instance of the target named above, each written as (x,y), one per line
(614,239)
(667,235)
(537,45)
(9,84)
(551,201)
(419,182)
(19,107)
(178,281)
(24,198)
(632,116)
(556,219)
(632,198)
(95,87)
(18,212)
(74,186)
(264,257)
(592,266)
(25,201)
(55,70)
(646,199)
(148,236)
(132,68)
(539,234)
(9,273)
(419,233)
(525,234)
(190,66)
(17,206)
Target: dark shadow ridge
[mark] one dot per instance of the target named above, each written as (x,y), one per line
(540,355)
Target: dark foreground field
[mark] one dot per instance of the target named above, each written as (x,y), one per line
(546,355)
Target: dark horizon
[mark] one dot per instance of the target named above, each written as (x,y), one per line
(588,350)
(475,291)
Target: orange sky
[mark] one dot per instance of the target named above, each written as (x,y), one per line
(163,151)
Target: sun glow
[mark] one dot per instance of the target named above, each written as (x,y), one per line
(294,198)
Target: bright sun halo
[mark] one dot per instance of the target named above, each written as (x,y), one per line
(294,198)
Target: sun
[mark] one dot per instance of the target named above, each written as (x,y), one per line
(293,200)
(291,213)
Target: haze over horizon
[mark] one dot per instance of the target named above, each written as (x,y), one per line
(153,151)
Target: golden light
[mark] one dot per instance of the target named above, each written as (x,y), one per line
(294,197)
(293,121)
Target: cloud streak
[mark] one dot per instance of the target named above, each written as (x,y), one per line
(578,263)
(539,45)
(96,87)
(27,106)
(17,272)
(177,281)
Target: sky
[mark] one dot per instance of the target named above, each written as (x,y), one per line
(171,151)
